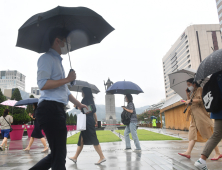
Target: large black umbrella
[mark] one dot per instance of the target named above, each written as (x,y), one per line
(124,87)
(210,65)
(86,26)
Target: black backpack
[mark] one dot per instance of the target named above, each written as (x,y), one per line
(212,95)
(125,117)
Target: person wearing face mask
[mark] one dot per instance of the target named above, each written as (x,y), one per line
(201,126)
(55,95)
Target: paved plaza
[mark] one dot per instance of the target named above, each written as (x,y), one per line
(157,155)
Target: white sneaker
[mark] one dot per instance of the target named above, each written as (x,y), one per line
(200,165)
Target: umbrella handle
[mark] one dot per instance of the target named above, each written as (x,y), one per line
(72,82)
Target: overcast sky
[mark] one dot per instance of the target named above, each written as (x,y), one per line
(144,32)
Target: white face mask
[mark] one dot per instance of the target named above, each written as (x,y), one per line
(125,99)
(191,88)
(65,50)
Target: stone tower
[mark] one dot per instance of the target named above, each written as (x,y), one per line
(110,108)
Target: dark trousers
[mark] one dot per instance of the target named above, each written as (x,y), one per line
(51,117)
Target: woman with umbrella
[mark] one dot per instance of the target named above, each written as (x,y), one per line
(36,132)
(200,119)
(131,128)
(88,136)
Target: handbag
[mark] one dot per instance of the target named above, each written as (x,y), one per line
(9,125)
(81,122)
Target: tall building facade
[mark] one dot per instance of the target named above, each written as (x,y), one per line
(11,79)
(190,49)
(219,11)
(35,90)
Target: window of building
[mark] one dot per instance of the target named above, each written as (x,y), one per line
(188,56)
(187,46)
(185,36)
(188,61)
(187,51)
(186,42)
(189,66)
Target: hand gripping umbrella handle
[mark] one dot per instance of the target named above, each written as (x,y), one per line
(72,82)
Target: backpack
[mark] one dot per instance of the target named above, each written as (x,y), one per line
(212,95)
(125,117)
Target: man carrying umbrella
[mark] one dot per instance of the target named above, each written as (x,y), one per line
(54,97)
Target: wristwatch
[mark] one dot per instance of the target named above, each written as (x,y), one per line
(191,100)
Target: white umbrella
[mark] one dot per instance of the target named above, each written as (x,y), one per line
(178,81)
(11,103)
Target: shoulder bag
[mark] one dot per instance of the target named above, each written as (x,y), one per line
(9,125)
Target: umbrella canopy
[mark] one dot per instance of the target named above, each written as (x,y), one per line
(80,84)
(86,26)
(26,102)
(11,103)
(210,65)
(178,81)
(153,117)
(124,87)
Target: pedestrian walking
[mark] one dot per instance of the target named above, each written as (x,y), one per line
(5,121)
(36,133)
(55,95)
(88,136)
(132,127)
(200,119)
(217,135)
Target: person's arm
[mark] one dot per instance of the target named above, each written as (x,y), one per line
(130,110)
(30,115)
(95,118)
(45,67)
(11,119)
(198,95)
(188,95)
(76,102)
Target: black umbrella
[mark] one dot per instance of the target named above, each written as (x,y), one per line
(26,102)
(86,26)
(210,65)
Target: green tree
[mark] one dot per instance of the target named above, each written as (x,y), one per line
(20,116)
(2,99)
(67,119)
(75,119)
(71,119)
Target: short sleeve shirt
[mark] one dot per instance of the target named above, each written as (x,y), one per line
(130,106)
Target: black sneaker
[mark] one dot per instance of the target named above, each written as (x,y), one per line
(127,149)
(1,149)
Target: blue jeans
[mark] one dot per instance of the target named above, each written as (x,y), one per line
(131,128)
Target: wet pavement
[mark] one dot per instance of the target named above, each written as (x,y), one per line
(158,155)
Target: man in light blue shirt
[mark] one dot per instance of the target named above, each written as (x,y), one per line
(55,95)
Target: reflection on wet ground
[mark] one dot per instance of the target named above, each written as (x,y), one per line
(159,155)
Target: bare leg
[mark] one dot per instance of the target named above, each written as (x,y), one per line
(99,151)
(217,152)
(78,151)
(190,147)
(44,143)
(30,144)
(4,141)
